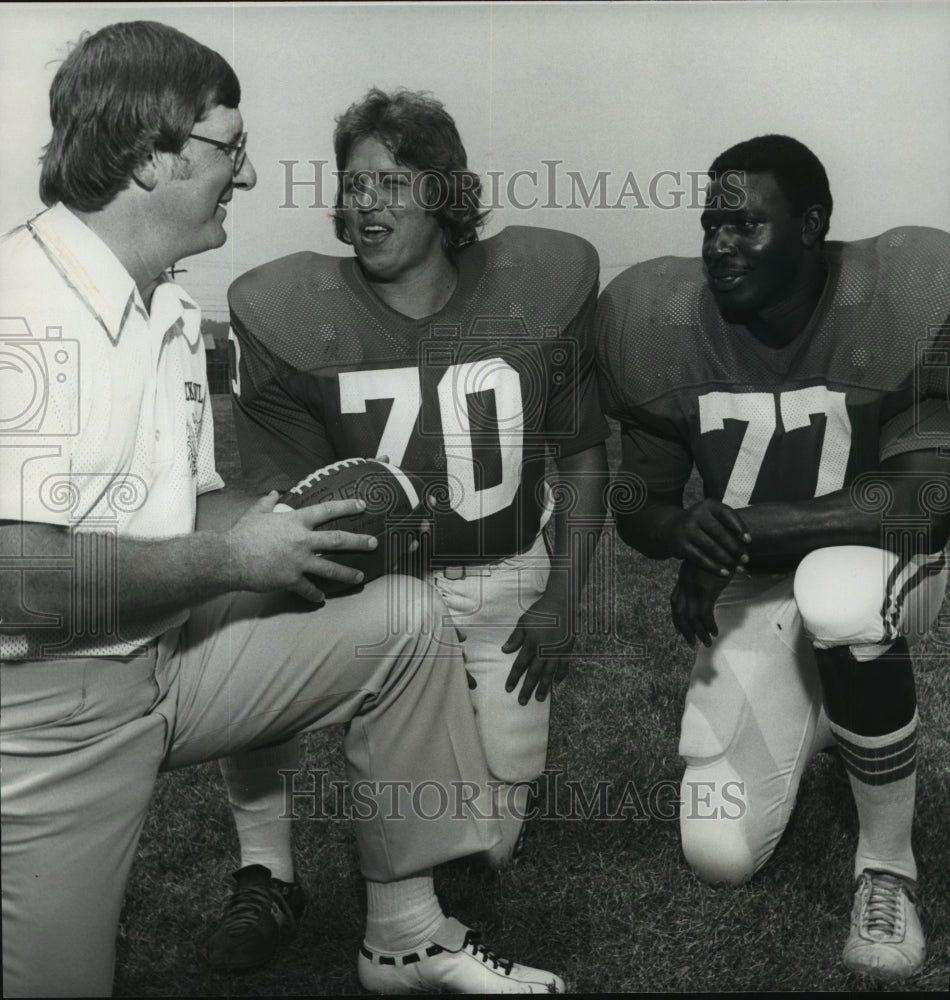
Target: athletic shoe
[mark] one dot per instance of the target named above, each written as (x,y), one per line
(453,961)
(260,912)
(886,939)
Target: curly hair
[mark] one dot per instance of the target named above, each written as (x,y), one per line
(420,134)
(799,174)
(121,93)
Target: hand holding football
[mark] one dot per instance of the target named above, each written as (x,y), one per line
(392,501)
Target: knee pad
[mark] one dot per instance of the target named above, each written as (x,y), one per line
(716,859)
(840,595)
(715,841)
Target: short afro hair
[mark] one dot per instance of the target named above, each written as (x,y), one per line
(799,174)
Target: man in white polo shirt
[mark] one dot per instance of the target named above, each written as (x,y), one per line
(138,600)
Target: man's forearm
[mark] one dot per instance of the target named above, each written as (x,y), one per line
(846,517)
(140,581)
(786,532)
(156,580)
(775,535)
(792,530)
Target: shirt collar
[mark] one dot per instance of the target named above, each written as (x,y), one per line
(96,275)
(171,304)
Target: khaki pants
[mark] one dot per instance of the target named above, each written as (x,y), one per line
(83,740)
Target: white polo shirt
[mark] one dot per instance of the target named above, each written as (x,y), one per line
(105,417)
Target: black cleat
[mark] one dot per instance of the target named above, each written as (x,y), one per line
(260,912)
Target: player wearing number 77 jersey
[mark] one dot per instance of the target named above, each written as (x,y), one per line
(807,382)
(467,364)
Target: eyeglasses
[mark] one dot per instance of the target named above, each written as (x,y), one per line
(236,150)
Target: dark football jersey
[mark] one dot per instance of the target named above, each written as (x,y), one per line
(469,399)
(866,380)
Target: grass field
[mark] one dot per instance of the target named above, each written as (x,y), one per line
(607,903)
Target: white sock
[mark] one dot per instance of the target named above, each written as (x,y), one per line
(883,775)
(402,915)
(256,793)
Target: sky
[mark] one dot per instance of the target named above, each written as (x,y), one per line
(620,105)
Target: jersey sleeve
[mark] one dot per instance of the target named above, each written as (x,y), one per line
(662,463)
(652,446)
(608,340)
(574,420)
(925,424)
(279,438)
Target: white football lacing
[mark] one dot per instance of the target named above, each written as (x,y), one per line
(315,477)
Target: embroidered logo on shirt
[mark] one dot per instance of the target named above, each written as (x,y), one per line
(194,392)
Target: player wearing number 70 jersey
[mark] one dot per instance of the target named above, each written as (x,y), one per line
(807,382)
(469,399)
(466,363)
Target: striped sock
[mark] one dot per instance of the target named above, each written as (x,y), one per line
(883,775)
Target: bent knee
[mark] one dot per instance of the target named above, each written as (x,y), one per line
(716,852)
(839,593)
(722,842)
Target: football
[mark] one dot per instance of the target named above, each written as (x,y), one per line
(393,501)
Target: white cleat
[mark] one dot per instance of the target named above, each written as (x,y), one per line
(886,939)
(454,961)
